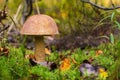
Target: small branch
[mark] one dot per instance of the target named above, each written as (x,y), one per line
(37,7)
(100,7)
(14,19)
(27,10)
(6,27)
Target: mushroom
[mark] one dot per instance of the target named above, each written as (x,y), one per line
(39,26)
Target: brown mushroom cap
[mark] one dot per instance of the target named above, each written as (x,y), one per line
(39,25)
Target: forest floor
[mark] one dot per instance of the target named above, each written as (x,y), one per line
(71,41)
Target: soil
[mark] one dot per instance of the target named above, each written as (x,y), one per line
(83,40)
(89,39)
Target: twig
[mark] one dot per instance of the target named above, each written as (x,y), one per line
(14,19)
(6,27)
(100,7)
(27,10)
(37,7)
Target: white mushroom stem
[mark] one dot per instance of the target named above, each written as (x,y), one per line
(39,49)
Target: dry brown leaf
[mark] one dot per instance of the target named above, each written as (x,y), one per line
(98,52)
(65,65)
(27,56)
(47,51)
(91,59)
(1,49)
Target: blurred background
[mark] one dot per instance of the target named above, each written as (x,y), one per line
(79,22)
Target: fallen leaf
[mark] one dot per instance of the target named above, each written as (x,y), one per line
(4,51)
(98,52)
(47,51)
(91,59)
(27,56)
(65,65)
(102,73)
(1,49)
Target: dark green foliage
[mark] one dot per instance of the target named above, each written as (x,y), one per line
(4,69)
(15,66)
(73,17)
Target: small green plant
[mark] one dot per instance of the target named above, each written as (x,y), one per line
(15,66)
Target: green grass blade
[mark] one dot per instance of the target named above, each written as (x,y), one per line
(111,38)
(118,24)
